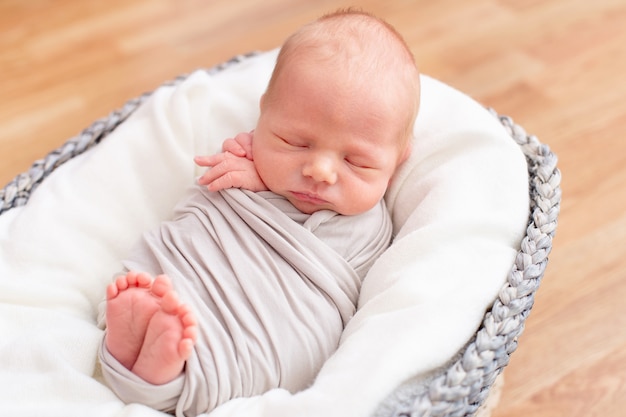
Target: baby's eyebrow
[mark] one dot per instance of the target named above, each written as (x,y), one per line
(364,146)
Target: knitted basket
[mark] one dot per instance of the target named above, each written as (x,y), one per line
(461,388)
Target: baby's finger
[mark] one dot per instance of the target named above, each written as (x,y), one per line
(245,141)
(228,180)
(211,175)
(221,165)
(208,160)
(232,146)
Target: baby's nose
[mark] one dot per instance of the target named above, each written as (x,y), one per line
(321,168)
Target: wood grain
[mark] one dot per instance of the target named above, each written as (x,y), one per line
(556,66)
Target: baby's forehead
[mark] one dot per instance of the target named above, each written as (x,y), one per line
(374,85)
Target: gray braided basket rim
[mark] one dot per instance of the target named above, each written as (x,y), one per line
(463,386)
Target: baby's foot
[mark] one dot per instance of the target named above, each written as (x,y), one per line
(132,300)
(168,342)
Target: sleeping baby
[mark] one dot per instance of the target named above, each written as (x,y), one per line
(250,285)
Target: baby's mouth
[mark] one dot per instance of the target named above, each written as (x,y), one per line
(308,198)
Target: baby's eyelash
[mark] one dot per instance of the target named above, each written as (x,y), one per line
(292,143)
(357,164)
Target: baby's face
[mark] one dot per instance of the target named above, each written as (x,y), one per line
(323,146)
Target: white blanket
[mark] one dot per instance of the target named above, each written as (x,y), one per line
(459,208)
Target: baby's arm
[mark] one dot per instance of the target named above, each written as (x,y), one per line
(233,167)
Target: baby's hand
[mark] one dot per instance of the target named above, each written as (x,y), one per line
(232,168)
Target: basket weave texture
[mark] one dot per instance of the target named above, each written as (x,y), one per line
(461,388)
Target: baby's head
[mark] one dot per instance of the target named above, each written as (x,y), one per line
(339,112)
(362,52)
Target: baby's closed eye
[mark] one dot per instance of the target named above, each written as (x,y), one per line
(360,162)
(293,142)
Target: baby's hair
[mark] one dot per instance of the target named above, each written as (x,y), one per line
(365,47)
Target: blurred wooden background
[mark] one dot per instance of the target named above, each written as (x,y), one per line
(556,66)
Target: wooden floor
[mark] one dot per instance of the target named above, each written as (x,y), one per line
(556,66)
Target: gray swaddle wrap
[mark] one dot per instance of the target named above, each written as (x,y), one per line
(271,287)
